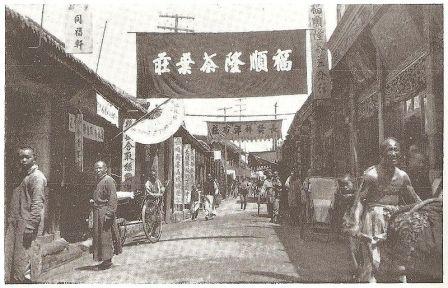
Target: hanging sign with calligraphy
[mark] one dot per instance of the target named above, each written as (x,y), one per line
(245,130)
(89,130)
(78,29)
(319,55)
(210,65)
(188,179)
(128,152)
(161,125)
(79,142)
(193,166)
(177,170)
(106,110)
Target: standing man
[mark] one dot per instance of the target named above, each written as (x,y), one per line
(210,190)
(292,185)
(195,202)
(25,220)
(277,194)
(419,173)
(384,187)
(106,236)
(243,191)
(268,190)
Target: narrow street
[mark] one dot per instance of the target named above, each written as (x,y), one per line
(235,247)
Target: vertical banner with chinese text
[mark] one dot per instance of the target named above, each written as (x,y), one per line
(79,142)
(319,56)
(187,173)
(78,29)
(177,170)
(128,153)
(193,166)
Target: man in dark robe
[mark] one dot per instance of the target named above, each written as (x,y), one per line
(106,237)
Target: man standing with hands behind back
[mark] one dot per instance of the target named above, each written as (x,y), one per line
(25,220)
(106,236)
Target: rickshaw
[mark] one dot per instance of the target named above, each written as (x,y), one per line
(138,208)
(318,203)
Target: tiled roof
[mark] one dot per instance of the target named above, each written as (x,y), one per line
(16,23)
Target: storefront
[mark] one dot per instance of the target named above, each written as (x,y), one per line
(52,105)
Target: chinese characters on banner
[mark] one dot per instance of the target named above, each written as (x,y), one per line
(208,65)
(106,110)
(79,142)
(245,130)
(187,173)
(177,166)
(319,55)
(193,166)
(89,131)
(128,152)
(78,29)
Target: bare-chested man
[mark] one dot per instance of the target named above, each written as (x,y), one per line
(384,187)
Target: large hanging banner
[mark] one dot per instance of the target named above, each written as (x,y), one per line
(177,170)
(319,53)
(210,65)
(161,125)
(245,130)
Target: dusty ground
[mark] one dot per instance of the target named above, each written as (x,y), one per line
(235,247)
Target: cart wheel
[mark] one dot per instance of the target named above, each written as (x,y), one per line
(121,222)
(152,222)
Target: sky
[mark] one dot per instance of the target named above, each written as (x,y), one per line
(118,56)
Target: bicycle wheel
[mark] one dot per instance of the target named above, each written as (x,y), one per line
(152,221)
(121,222)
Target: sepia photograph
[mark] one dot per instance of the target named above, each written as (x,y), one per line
(223,142)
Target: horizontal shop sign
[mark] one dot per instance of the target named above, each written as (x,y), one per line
(89,130)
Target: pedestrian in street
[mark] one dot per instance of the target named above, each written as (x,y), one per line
(419,173)
(106,236)
(384,187)
(243,192)
(268,190)
(210,190)
(25,220)
(277,194)
(292,185)
(195,202)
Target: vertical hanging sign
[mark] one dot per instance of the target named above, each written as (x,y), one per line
(177,172)
(187,173)
(319,55)
(79,142)
(78,29)
(193,166)
(128,153)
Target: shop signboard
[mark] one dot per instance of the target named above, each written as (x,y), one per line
(229,64)
(89,130)
(177,170)
(79,142)
(128,153)
(319,53)
(78,29)
(187,173)
(106,110)
(245,130)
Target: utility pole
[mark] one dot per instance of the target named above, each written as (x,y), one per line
(176,28)
(241,109)
(225,151)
